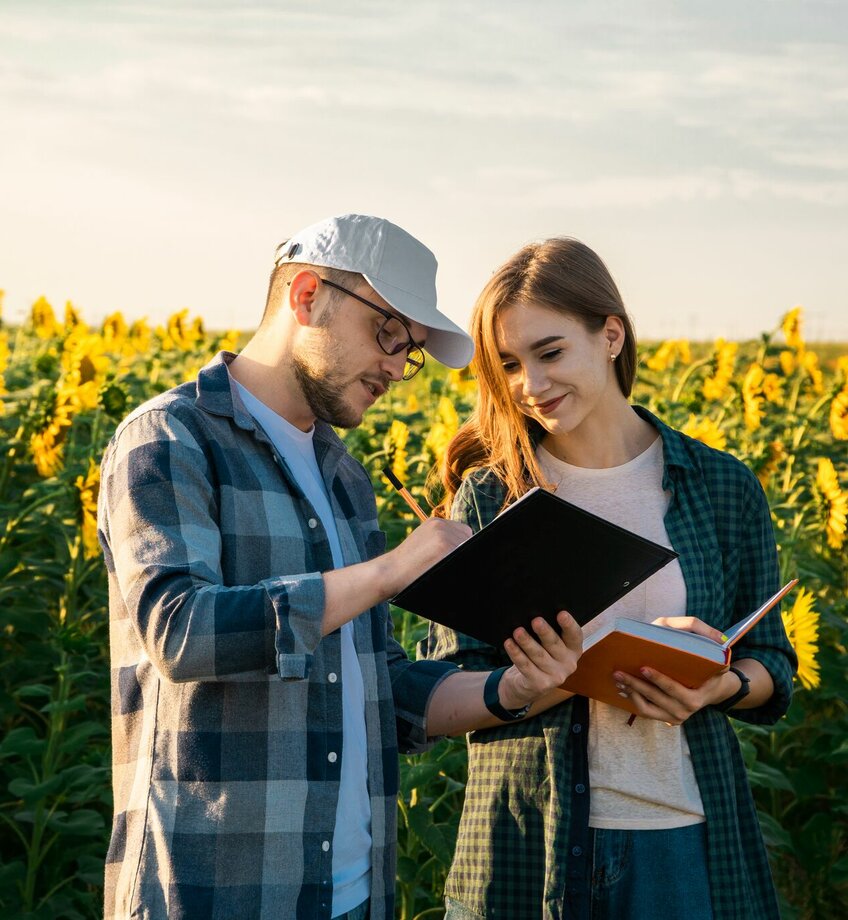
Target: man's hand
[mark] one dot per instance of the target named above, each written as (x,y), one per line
(430,542)
(540,666)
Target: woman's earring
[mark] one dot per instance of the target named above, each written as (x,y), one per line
(612,357)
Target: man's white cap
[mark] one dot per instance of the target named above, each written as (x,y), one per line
(401,270)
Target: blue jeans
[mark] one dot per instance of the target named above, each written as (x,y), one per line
(642,874)
(637,874)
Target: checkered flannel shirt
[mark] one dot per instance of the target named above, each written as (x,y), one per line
(226,701)
(523,850)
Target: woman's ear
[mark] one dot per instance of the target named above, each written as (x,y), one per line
(614,334)
(302,294)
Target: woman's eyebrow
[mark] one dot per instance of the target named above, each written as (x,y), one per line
(540,344)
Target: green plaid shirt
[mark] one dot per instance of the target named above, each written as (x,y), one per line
(523,850)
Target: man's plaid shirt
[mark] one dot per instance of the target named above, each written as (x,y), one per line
(523,849)
(226,701)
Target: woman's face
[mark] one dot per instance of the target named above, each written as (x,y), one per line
(558,372)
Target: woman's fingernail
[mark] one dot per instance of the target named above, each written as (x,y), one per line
(619,685)
(623,694)
(645,671)
(723,637)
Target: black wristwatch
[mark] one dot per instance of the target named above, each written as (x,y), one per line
(741,693)
(493,703)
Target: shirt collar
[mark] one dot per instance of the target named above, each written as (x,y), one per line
(674,443)
(217,395)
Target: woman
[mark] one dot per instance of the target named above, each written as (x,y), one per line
(569,811)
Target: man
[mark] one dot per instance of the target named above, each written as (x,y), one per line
(259,698)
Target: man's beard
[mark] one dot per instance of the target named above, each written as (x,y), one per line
(324,395)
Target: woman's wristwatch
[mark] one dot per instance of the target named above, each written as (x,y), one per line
(493,703)
(741,693)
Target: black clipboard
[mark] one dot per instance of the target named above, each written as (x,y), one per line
(539,556)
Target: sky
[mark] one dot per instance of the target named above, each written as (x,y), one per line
(153,154)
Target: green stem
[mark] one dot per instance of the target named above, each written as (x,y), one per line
(12,523)
(56,728)
(688,373)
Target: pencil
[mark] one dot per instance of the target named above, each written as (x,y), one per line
(404,493)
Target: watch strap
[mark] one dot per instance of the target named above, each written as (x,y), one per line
(492,700)
(741,693)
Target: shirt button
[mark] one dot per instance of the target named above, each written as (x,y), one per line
(332,757)
(332,677)
(312,523)
(580,788)
(325,845)
(577,851)
(577,728)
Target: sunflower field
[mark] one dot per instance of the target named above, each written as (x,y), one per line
(777,403)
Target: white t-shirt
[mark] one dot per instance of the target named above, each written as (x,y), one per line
(640,776)
(352,838)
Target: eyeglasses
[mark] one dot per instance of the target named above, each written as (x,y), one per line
(393,336)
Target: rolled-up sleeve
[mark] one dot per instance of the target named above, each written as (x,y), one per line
(758,578)
(159,522)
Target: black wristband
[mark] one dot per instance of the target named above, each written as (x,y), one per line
(741,693)
(493,703)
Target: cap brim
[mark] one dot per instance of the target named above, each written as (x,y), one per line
(446,342)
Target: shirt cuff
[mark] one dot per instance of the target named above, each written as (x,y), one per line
(775,707)
(298,605)
(413,685)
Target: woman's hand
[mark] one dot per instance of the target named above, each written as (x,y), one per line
(540,666)
(657,696)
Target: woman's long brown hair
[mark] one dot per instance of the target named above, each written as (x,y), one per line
(563,275)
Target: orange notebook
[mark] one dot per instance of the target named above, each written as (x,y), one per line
(627,645)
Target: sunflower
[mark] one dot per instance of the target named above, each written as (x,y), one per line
(180,333)
(88,488)
(138,339)
(802,629)
(114,331)
(44,319)
(836,503)
(73,319)
(395,446)
(838,414)
(776,453)
(791,326)
(788,363)
(47,446)
(723,360)
(229,340)
(463,381)
(810,363)
(752,397)
(663,357)
(706,431)
(773,389)
(443,430)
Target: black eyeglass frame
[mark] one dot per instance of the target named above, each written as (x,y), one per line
(411,346)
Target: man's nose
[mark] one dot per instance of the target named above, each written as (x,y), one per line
(393,365)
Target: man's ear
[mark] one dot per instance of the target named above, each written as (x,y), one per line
(302,296)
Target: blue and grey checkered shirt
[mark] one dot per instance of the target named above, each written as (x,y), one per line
(226,700)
